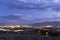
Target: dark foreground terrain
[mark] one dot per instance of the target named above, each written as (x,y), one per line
(26,37)
(30,34)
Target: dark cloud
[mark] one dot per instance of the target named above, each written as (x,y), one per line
(43,5)
(11,17)
(56,7)
(30,5)
(14,19)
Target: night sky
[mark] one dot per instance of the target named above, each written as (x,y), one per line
(29,11)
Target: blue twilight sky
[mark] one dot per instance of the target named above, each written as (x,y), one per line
(29,11)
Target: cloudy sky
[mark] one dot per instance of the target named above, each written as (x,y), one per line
(29,11)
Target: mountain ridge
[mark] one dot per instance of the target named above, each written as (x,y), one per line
(53,23)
